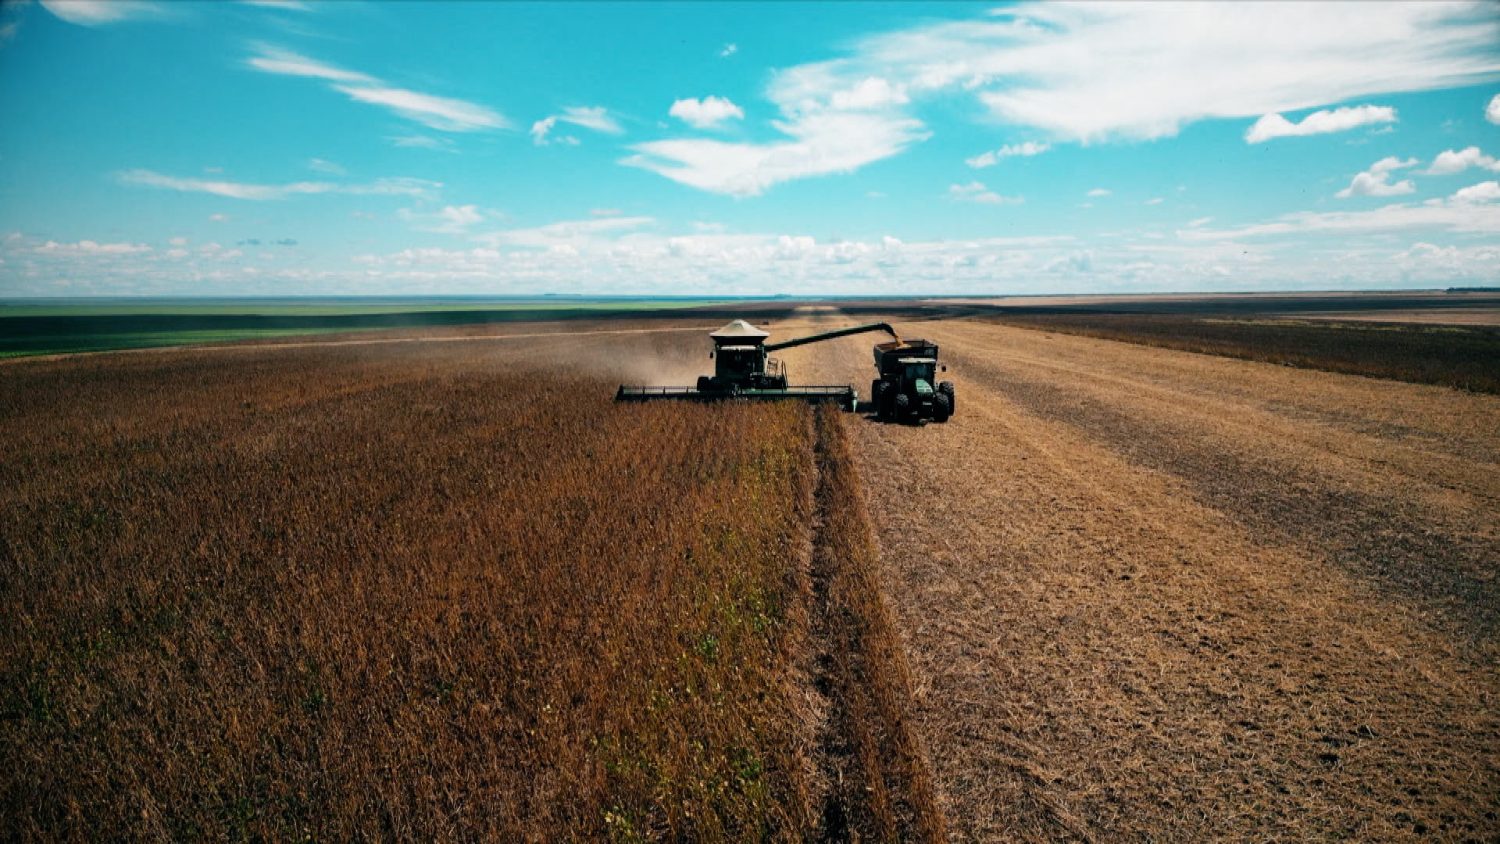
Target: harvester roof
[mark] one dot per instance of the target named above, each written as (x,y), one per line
(740,333)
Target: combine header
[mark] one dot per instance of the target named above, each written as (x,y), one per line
(744,369)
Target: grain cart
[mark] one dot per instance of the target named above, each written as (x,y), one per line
(907,389)
(744,369)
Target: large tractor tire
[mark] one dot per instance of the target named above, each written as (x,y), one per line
(903,405)
(946,388)
(878,397)
(705,384)
(941,407)
(884,401)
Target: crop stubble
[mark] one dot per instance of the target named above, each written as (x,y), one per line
(1147,594)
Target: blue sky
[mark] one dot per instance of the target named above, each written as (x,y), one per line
(346,148)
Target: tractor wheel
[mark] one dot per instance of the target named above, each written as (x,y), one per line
(704,383)
(885,400)
(877,397)
(941,408)
(903,405)
(946,388)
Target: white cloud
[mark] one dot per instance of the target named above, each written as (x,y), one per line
(637,258)
(461,216)
(1449,162)
(1200,222)
(90,248)
(319,165)
(977,192)
(1482,192)
(540,130)
(872,92)
(1376,181)
(706,113)
(218,187)
(443,113)
(728,50)
(218,218)
(421,142)
(1465,216)
(1155,200)
(565,234)
(819,144)
(260,192)
(97,12)
(452,219)
(1319,123)
(286,63)
(991,158)
(1096,72)
(1207,61)
(1492,111)
(281,5)
(596,118)
(1100,192)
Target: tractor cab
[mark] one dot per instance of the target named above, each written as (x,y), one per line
(920,374)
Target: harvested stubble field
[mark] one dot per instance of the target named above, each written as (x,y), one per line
(1151,595)
(1454,348)
(446,589)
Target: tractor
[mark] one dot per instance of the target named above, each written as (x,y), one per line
(907,389)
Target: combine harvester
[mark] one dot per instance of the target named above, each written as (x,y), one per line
(744,369)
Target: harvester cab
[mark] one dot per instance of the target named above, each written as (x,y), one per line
(741,361)
(908,389)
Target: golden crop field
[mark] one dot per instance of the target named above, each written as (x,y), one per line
(425,595)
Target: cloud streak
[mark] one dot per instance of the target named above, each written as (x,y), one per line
(445,114)
(100,12)
(418,188)
(817,145)
(1469,211)
(977,192)
(595,118)
(993,157)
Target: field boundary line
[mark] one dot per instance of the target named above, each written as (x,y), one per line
(251,345)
